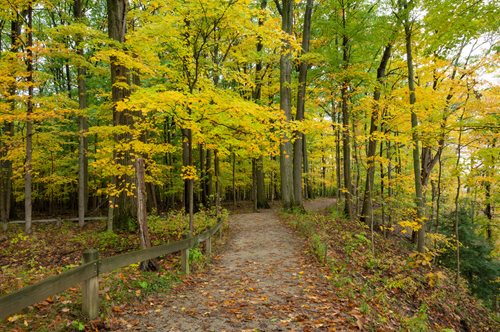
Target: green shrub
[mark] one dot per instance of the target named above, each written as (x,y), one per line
(195,255)
(419,322)
(476,263)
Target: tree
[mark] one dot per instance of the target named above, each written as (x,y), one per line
(298,144)
(78,11)
(286,151)
(366,212)
(6,200)
(117,28)
(406,11)
(29,123)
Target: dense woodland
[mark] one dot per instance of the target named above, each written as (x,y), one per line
(391,106)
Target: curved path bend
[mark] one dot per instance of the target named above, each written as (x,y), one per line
(262,281)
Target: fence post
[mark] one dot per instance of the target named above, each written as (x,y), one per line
(208,246)
(185,258)
(90,288)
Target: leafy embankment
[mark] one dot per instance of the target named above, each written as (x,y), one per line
(394,288)
(52,249)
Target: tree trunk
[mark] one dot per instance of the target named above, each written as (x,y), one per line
(209,171)
(8,130)
(187,161)
(348,209)
(29,126)
(307,182)
(117,28)
(414,126)
(382,189)
(457,198)
(142,215)
(357,176)
(366,211)
(389,184)
(261,189)
(301,98)
(338,158)
(286,163)
(203,177)
(323,173)
(254,185)
(259,162)
(83,127)
(488,211)
(234,178)
(438,194)
(217,185)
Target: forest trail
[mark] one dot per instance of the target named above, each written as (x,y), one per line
(262,281)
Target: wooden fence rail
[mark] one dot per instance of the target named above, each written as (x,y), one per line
(87,274)
(55,220)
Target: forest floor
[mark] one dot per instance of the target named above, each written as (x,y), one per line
(263,280)
(271,271)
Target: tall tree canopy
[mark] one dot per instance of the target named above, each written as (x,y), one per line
(391,106)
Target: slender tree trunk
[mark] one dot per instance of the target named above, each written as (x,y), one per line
(83,127)
(259,162)
(307,182)
(301,99)
(438,194)
(286,158)
(346,145)
(261,189)
(187,161)
(457,198)
(323,173)
(382,187)
(389,184)
(29,126)
(338,158)
(254,185)
(217,184)
(142,215)
(272,184)
(68,78)
(414,125)
(372,144)
(348,208)
(356,179)
(209,171)
(488,209)
(8,130)
(203,177)
(167,130)
(234,178)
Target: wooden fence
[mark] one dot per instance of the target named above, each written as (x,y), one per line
(88,273)
(56,220)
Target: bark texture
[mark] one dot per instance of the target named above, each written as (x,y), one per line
(117,29)
(414,124)
(366,211)
(298,157)
(286,149)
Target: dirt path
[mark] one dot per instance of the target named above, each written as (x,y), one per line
(262,281)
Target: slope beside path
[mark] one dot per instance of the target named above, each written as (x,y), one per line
(262,281)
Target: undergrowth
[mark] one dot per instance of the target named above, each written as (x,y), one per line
(53,249)
(394,288)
